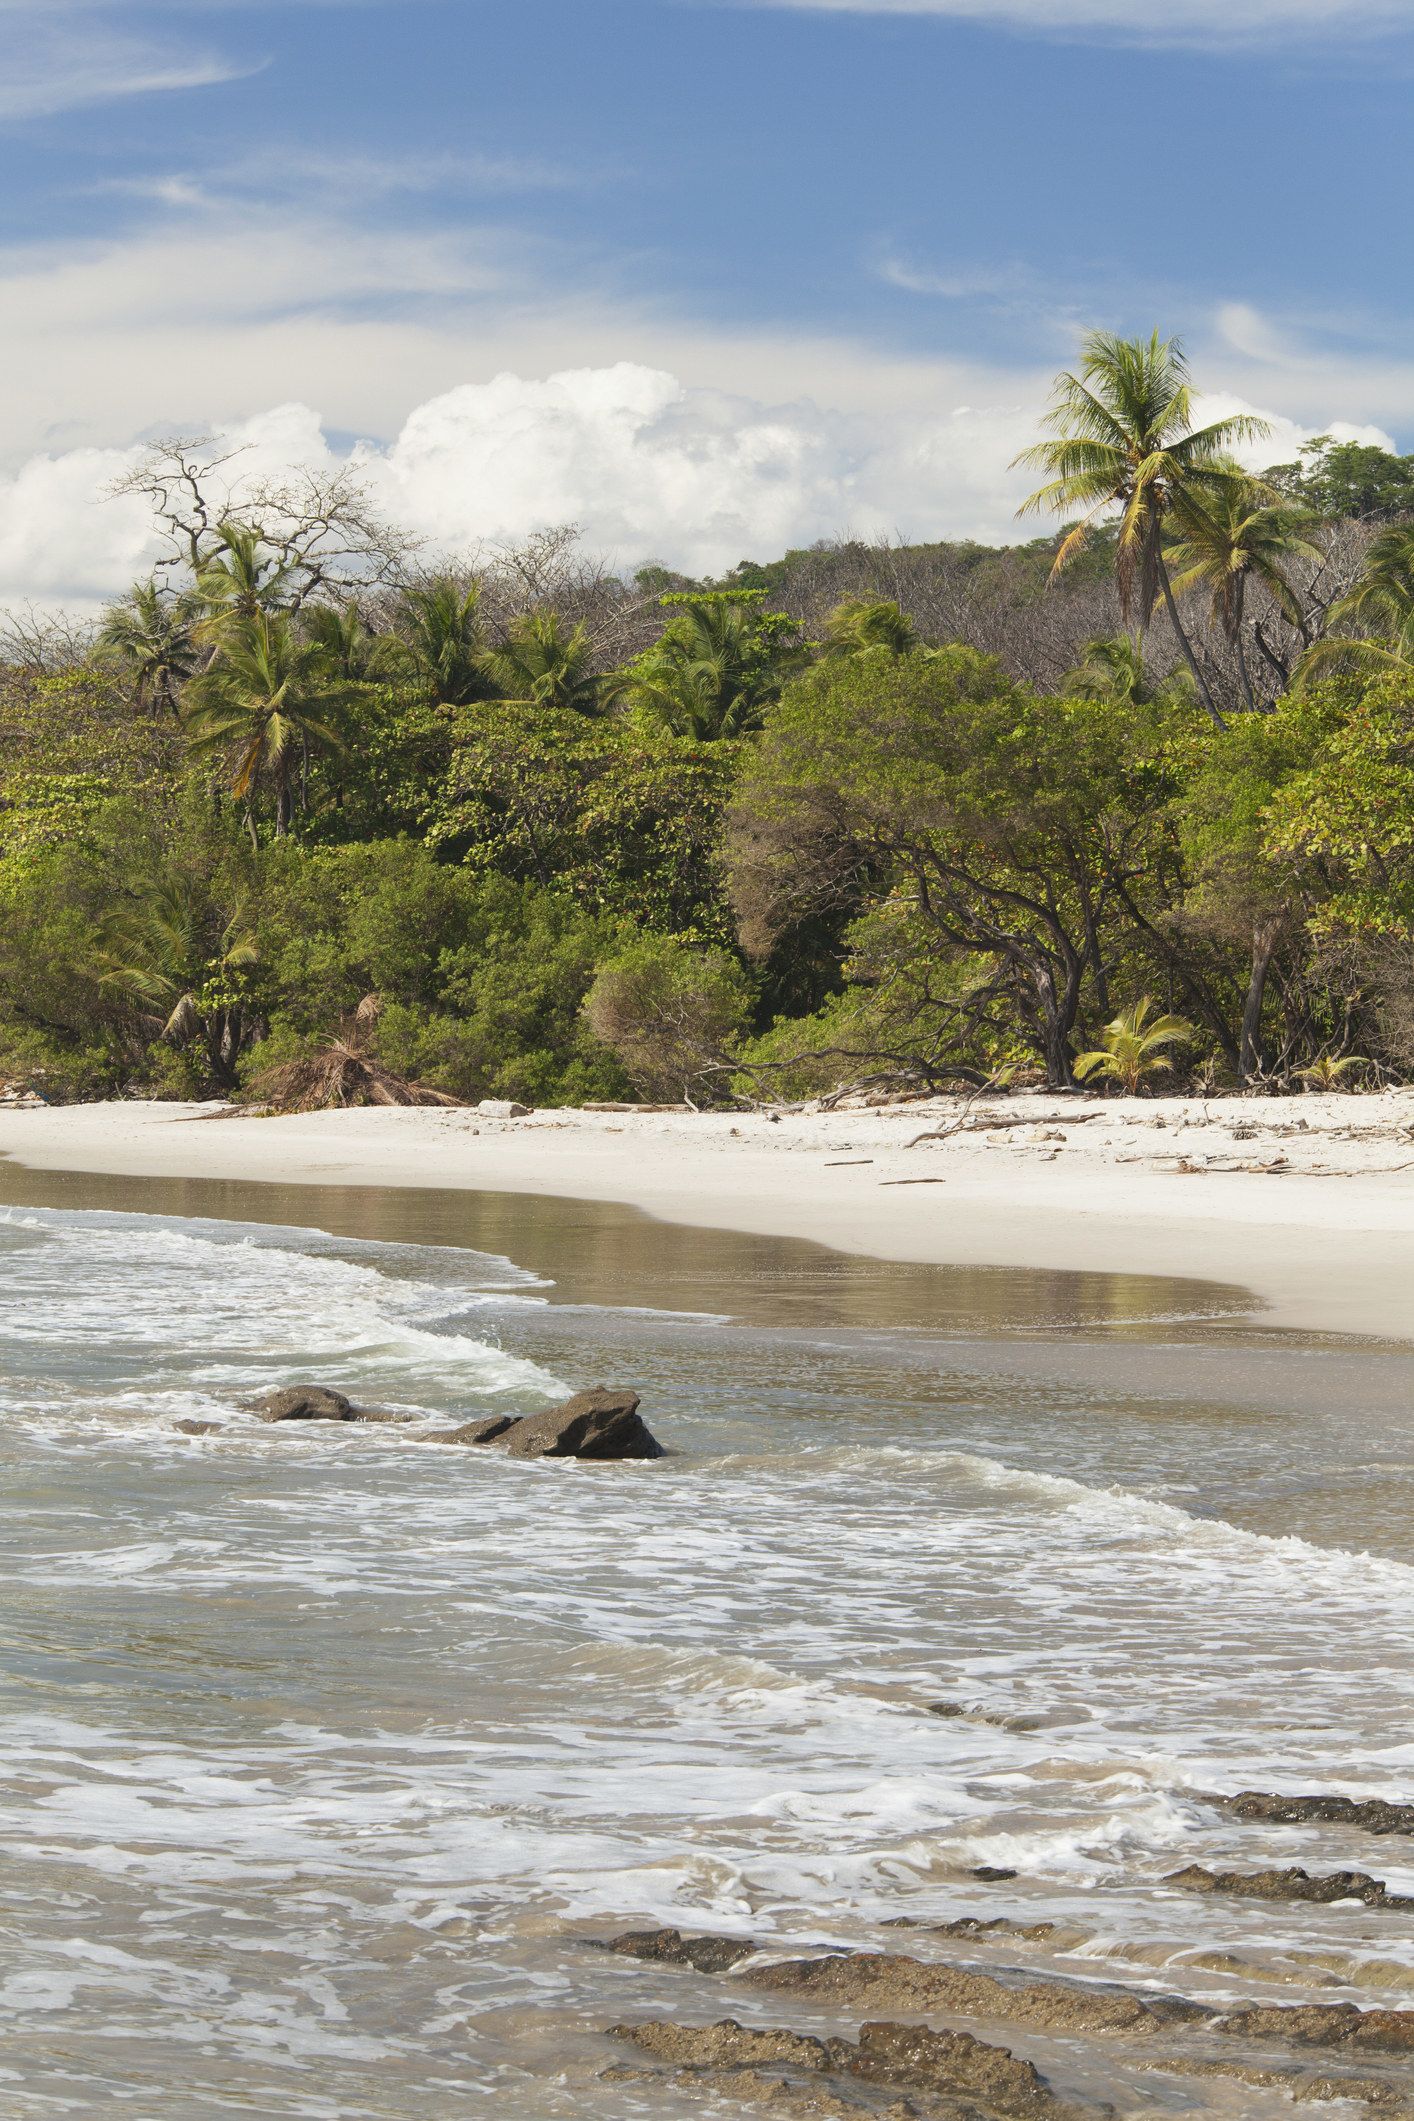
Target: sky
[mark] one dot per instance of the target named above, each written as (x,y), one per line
(707,277)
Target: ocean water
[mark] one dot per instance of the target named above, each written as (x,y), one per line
(322,1750)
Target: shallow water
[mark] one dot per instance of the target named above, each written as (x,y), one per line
(322,1749)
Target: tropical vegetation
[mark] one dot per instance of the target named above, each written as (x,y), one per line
(1129,803)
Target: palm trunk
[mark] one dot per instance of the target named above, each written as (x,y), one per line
(1188,656)
(1246,681)
(1239,604)
(1264,942)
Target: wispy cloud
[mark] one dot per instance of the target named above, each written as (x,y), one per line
(59,57)
(1196,22)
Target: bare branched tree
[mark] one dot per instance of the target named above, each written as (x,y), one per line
(325,533)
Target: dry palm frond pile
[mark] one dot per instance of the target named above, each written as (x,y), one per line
(338,1075)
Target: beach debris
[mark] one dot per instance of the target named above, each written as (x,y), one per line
(503,1108)
(598,1424)
(338,1076)
(727,2058)
(1291,1884)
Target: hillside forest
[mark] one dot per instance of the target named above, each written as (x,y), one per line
(1128,801)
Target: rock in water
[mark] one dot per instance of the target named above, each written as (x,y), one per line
(597,1424)
(305,1403)
(478,1431)
(199,1428)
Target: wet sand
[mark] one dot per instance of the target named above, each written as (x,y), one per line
(1306,1202)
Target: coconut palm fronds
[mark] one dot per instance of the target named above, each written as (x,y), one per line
(337,1075)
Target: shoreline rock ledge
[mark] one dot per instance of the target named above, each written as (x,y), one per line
(598,1424)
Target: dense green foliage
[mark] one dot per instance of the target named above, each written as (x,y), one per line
(721,839)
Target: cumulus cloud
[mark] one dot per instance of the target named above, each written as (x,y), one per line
(649,467)
(1203,22)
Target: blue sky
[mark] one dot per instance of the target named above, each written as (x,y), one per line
(824,222)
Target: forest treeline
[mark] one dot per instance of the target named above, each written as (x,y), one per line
(871,812)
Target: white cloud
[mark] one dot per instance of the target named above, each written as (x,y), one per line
(58,57)
(649,467)
(1144,21)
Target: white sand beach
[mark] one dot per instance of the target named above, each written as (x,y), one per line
(1306,1201)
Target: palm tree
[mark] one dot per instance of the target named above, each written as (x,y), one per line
(1112,668)
(1382,599)
(264,699)
(716,669)
(155,635)
(352,653)
(859,626)
(443,630)
(539,666)
(169,944)
(239,578)
(1132,1046)
(1124,436)
(1232,534)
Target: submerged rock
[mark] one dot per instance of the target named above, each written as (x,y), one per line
(708,1955)
(317,1403)
(842,1980)
(597,1424)
(911,2057)
(894,1982)
(1292,1884)
(199,1428)
(304,1403)
(1372,1815)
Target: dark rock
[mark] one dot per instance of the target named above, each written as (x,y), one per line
(597,1424)
(1292,1884)
(709,1955)
(484,1431)
(200,1428)
(725,2045)
(304,1403)
(1372,1815)
(991,1873)
(841,1980)
(874,1979)
(911,2057)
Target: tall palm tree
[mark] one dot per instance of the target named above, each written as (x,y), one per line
(352,653)
(154,634)
(716,669)
(1383,600)
(1231,534)
(443,630)
(1124,435)
(542,666)
(239,578)
(859,625)
(264,701)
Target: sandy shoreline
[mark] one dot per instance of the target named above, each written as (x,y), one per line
(1308,1201)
